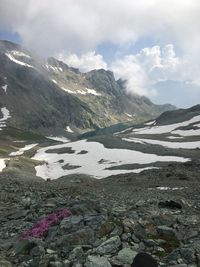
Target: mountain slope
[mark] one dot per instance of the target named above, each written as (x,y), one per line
(48,96)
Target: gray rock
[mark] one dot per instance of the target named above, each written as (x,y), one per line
(188,255)
(66,263)
(4,263)
(97,261)
(150,243)
(109,246)
(165,231)
(126,256)
(76,253)
(55,264)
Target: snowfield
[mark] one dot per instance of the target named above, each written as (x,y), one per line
(95,162)
(185,145)
(167,128)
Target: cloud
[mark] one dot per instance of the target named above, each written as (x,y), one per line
(80,26)
(143,70)
(72,29)
(85,62)
(155,65)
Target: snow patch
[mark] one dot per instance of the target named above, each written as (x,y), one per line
(22,150)
(89,163)
(54,81)
(6,115)
(59,139)
(92,92)
(68,90)
(5,88)
(183,145)
(68,129)
(19,54)
(166,128)
(130,115)
(2,164)
(187,132)
(165,188)
(150,123)
(55,69)
(175,137)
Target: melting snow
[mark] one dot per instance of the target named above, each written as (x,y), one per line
(6,115)
(87,91)
(129,115)
(89,163)
(163,188)
(20,54)
(22,150)
(150,123)
(56,69)
(68,90)
(166,128)
(184,145)
(5,88)
(54,81)
(2,164)
(59,139)
(175,137)
(92,92)
(10,56)
(68,129)
(187,132)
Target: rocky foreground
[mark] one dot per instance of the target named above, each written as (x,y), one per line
(112,219)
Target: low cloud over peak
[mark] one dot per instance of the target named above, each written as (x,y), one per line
(72,29)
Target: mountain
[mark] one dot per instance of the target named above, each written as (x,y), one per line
(47,96)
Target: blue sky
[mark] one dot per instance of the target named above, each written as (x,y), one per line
(153,44)
(10,36)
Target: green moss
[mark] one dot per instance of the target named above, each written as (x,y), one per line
(171,244)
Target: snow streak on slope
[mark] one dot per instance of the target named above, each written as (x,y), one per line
(22,150)
(19,62)
(185,145)
(95,162)
(6,115)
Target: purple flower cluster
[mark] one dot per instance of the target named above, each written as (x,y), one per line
(41,227)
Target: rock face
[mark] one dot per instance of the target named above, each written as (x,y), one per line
(64,96)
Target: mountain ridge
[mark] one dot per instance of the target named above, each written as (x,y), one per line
(49,96)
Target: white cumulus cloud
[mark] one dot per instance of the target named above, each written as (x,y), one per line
(150,66)
(85,62)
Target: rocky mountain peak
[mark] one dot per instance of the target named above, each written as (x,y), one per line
(60,65)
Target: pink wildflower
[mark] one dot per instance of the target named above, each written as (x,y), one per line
(41,227)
